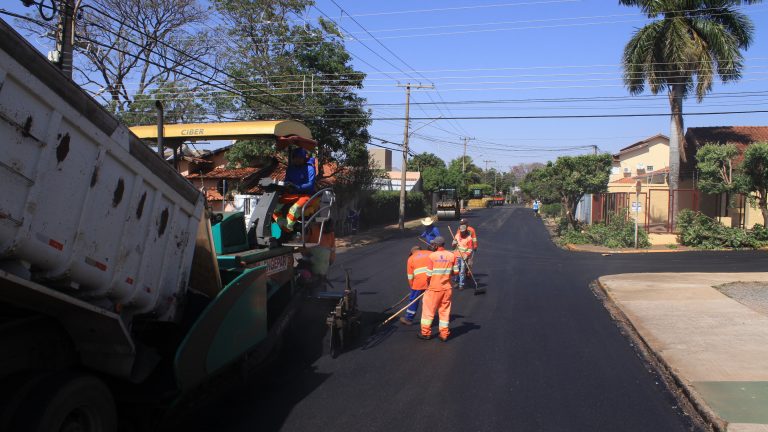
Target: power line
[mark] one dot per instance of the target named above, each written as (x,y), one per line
(182,53)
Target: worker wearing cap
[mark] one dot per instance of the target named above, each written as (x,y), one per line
(418,279)
(300,180)
(430,230)
(472,233)
(437,298)
(463,249)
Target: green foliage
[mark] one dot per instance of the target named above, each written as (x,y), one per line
(618,233)
(717,173)
(472,173)
(383,207)
(435,178)
(701,231)
(425,160)
(568,179)
(181,104)
(553,210)
(249,152)
(755,171)
(308,54)
(664,54)
(485,188)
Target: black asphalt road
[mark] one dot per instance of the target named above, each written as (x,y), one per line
(538,352)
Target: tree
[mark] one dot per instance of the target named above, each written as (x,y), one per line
(538,184)
(755,172)
(681,52)
(519,171)
(717,171)
(181,104)
(129,47)
(297,70)
(422,161)
(434,178)
(568,179)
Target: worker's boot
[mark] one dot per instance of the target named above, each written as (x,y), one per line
(424,337)
(406,321)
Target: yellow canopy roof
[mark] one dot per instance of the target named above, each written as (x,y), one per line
(225,130)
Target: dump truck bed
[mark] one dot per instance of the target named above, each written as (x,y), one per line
(86,207)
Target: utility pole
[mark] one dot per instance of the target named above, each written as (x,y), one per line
(401,217)
(594,149)
(66,35)
(463,169)
(494,177)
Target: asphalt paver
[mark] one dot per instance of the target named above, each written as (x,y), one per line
(536,352)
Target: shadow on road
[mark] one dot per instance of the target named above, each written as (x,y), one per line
(463,329)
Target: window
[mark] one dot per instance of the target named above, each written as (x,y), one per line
(626,170)
(649,168)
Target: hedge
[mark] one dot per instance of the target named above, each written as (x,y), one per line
(701,231)
(383,207)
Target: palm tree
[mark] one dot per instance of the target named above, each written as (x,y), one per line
(681,51)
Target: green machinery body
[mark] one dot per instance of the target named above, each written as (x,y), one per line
(258,291)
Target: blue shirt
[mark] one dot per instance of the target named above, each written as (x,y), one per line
(430,233)
(535,205)
(302,176)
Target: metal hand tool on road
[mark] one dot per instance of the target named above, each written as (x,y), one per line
(396,304)
(478,290)
(423,241)
(401,310)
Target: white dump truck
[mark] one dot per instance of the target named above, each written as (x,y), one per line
(110,271)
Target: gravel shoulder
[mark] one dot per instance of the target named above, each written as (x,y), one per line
(753,295)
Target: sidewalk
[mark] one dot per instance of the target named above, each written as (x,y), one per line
(607,250)
(374,235)
(715,347)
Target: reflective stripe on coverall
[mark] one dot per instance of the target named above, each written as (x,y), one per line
(417,268)
(442,264)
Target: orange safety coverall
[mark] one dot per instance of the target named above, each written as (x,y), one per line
(442,264)
(472,234)
(293,202)
(417,268)
(463,245)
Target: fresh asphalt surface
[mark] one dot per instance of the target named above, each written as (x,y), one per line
(537,352)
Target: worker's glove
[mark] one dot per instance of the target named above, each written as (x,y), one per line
(454,243)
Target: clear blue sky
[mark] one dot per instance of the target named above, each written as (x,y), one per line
(528,49)
(494,50)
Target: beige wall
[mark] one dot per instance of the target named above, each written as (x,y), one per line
(382,158)
(655,154)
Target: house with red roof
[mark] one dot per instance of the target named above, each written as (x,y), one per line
(647,162)
(210,173)
(731,210)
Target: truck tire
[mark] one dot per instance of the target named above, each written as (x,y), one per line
(67,402)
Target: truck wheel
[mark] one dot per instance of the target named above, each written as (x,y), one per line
(68,403)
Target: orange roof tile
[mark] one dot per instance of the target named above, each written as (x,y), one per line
(224,173)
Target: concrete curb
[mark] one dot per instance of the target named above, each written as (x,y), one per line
(576,248)
(686,395)
(385,234)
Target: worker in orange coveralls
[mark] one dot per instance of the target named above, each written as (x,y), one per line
(472,233)
(417,268)
(438,296)
(464,250)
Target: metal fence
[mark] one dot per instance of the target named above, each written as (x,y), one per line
(652,208)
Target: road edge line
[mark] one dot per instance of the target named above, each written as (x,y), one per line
(687,398)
